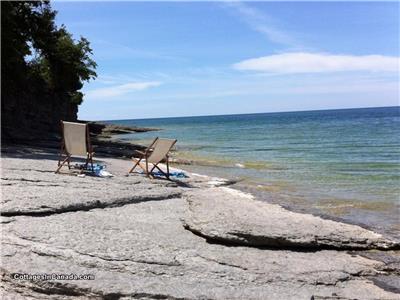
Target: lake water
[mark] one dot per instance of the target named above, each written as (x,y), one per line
(341,163)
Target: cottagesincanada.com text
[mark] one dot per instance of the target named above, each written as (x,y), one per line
(54,276)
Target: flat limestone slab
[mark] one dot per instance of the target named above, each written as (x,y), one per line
(30,187)
(137,248)
(229,216)
(142,251)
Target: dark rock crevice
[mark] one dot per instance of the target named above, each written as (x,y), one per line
(277,243)
(140,261)
(222,263)
(76,207)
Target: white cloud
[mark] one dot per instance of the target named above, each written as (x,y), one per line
(120,90)
(261,22)
(301,62)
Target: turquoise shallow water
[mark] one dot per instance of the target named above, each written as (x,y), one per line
(342,163)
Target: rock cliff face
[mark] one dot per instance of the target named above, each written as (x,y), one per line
(29,116)
(43,69)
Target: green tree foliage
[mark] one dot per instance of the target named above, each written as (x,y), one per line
(35,53)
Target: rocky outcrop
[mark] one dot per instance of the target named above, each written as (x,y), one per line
(107,129)
(140,250)
(229,216)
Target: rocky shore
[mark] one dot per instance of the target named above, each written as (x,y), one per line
(191,238)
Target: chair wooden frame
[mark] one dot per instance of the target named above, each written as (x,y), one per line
(63,151)
(144,156)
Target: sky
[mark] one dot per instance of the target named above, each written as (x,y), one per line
(169,59)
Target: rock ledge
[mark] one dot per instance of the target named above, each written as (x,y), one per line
(228,216)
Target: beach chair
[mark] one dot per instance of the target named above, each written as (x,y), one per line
(75,141)
(156,153)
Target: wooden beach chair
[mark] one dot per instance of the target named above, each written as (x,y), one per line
(75,141)
(156,153)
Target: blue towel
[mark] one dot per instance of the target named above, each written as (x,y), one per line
(172,174)
(97,168)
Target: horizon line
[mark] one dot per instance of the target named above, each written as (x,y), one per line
(255,113)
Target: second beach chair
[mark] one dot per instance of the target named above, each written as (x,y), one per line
(156,153)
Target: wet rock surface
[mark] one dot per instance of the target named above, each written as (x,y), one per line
(136,245)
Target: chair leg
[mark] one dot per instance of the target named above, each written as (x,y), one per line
(86,162)
(148,174)
(91,162)
(61,153)
(64,161)
(89,159)
(135,165)
(161,171)
(167,168)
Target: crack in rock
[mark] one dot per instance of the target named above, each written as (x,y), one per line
(141,261)
(222,263)
(75,207)
(22,179)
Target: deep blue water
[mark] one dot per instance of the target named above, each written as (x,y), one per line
(335,160)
